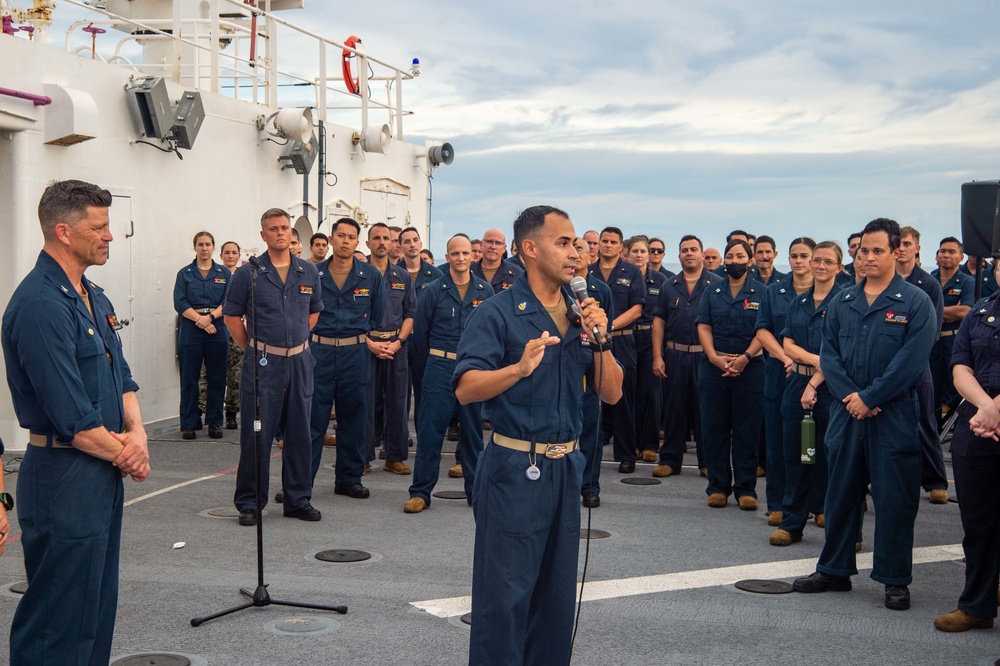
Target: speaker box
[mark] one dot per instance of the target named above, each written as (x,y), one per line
(980,231)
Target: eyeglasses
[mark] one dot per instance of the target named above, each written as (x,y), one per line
(656,250)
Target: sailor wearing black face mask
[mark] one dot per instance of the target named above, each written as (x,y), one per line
(731,381)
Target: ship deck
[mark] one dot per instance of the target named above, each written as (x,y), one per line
(659,589)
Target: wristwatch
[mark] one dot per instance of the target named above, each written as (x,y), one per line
(7,500)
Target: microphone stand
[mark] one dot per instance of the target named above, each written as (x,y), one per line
(260,596)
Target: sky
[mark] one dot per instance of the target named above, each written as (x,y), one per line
(778,117)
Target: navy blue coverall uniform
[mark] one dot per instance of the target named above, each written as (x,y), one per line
(649,388)
(441,317)
(960,290)
(880,352)
(503,278)
(527,532)
(627,290)
(390,377)
(773,308)
(425,276)
(590,438)
(343,365)
(66,374)
(845,278)
(933,474)
(682,354)
(805,485)
(976,462)
(731,404)
(285,380)
(196,346)
(989,283)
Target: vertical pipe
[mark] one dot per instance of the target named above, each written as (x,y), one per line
(272,55)
(321,88)
(399,105)
(363,85)
(321,176)
(213,6)
(175,70)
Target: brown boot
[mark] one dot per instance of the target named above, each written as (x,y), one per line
(748,503)
(959,620)
(939,496)
(717,500)
(397,467)
(649,456)
(455,472)
(783,538)
(774,519)
(329,440)
(820,520)
(663,471)
(414,505)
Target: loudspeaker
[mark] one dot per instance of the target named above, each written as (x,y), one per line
(980,216)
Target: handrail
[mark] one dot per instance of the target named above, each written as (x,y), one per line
(263,71)
(37,100)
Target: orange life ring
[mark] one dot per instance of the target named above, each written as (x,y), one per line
(353,84)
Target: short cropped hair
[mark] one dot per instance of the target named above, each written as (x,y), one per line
(614,230)
(319,235)
(408,229)
(690,237)
(768,240)
(911,232)
(952,239)
(890,227)
(67,201)
(274,212)
(530,220)
(376,226)
(348,221)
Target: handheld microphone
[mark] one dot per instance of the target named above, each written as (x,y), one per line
(255,262)
(579,288)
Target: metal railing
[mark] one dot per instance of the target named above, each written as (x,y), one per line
(227,45)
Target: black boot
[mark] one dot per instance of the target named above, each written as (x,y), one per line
(231,420)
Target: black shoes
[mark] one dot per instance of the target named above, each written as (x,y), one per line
(355,490)
(187,434)
(452,434)
(215,432)
(626,467)
(897,597)
(248,518)
(305,512)
(821,582)
(591,500)
(279,497)
(231,421)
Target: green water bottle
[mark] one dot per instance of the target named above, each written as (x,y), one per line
(808,439)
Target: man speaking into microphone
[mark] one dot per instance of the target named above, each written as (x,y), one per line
(524,353)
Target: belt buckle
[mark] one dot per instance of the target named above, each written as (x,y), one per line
(555,451)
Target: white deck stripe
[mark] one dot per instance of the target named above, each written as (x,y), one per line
(169,488)
(688,580)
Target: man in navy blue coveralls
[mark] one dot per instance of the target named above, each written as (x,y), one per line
(876,341)
(677,353)
(522,355)
(390,362)
(629,294)
(288,304)
(73,391)
(353,303)
(443,310)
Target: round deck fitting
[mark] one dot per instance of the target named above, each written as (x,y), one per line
(467,619)
(640,481)
(450,494)
(224,512)
(758,586)
(341,555)
(153,659)
(594,534)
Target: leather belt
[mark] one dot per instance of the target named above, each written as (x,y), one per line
(552,451)
(643,327)
(383,335)
(43,441)
(339,342)
(451,356)
(205,311)
(806,370)
(625,331)
(690,349)
(947,334)
(279,351)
